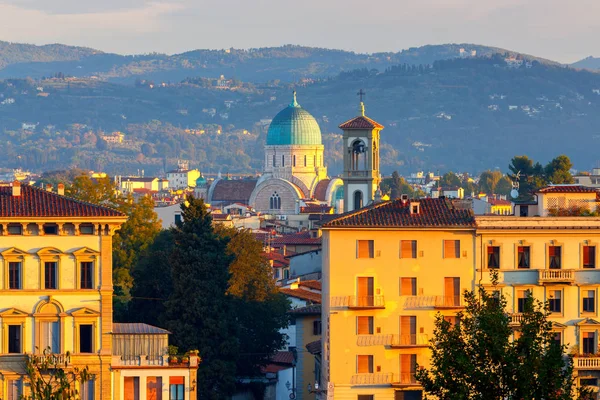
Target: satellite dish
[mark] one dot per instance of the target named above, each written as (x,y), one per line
(514,193)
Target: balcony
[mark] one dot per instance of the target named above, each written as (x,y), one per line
(378,379)
(373,340)
(52,360)
(515,319)
(406,379)
(592,362)
(556,276)
(358,302)
(404,341)
(437,302)
(139,361)
(358,173)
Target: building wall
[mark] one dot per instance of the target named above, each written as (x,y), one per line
(189,375)
(306,263)
(341,268)
(305,367)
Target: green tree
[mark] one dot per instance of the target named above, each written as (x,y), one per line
(531,176)
(476,358)
(488,181)
(199,311)
(48,379)
(504,186)
(450,179)
(557,171)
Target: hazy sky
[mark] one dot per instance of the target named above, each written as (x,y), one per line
(562,30)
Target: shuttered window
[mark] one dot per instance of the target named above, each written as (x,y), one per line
(364,325)
(364,364)
(554,254)
(451,248)
(154,388)
(408,330)
(589,256)
(408,249)
(365,249)
(408,286)
(132,388)
(493,257)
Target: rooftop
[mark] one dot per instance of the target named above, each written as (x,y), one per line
(361,122)
(313,309)
(37,202)
(567,189)
(302,294)
(295,239)
(434,213)
(137,329)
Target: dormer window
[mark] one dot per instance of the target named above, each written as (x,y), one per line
(415,208)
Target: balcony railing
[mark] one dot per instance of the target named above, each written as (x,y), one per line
(406,378)
(586,362)
(515,318)
(358,302)
(142,360)
(358,173)
(409,340)
(53,360)
(556,275)
(371,379)
(373,340)
(432,302)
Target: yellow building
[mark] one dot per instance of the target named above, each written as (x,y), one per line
(56,284)
(308,330)
(387,270)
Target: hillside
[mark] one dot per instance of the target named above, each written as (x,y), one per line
(19,53)
(461,114)
(286,63)
(592,63)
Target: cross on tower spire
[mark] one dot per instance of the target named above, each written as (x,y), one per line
(361,93)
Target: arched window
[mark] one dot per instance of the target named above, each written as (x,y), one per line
(275,202)
(294,160)
(358,154)
(305,160)
(375,157)
(273,159)
(358,199)
(315,160)
(282,160)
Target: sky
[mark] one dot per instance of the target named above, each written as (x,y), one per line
(560,30)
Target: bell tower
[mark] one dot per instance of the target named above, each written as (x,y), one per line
(361,159)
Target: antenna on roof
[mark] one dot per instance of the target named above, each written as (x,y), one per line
(514,193)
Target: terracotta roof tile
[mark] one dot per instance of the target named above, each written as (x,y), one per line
(295,239)
(278,259)
(314,347)
(361,122)
(316,209)
(283,357)
(316,285)
(137,329)
(321,189)
(499,202)
(313,309)
(36,202)
(235,191)
(433,213)
(567,189)
(302,294)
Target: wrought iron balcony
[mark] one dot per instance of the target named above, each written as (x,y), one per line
(378,379)
(51,359)
(358,302)
(400,341)
(556,275)
(441,302)
(373,340)
(406,379)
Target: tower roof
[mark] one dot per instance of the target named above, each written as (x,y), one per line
(294,126)
(361,122)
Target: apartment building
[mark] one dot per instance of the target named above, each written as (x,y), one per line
(56,285)
(387,270)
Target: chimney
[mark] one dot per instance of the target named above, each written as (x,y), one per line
(48,187)
(61,189)
(404,199)
(16,189)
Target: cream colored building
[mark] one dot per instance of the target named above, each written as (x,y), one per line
(56,284)
(387,271)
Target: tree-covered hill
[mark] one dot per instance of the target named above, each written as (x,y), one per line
(467,114)
(592,63)
(287,63)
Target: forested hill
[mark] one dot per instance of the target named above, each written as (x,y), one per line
(592,63)
(461,114)
(287,63)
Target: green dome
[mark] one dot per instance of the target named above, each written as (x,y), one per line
(200,182)
(294,125)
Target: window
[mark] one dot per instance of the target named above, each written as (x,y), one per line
(49,336)
(588,381)
(364,364)
(589,256)
(15,229)
(13,389)
(176,387)
(364,325)
(554,302)
(275,202)
(408,395)
(366,249)
(86,338)
(274,160)
(589,301)
(366,397)
(177,219)
(358,200)
(14,338)
(408,249)
(282,160)
(557,338)
(453,319)
(451,248)
(522,296)
(408,286)
(305,160)
(277,273)
(523,257)
(523,211)
(554,257)
(451,291)
(131,389)
(50,275)
(408,367)
(87,390)
(317,327)
(408,329)
(589,343)
(50,229)
(493,258)
(154,388)
(86,229)
(86,274)
(294,160)
(365,291)
(14,275)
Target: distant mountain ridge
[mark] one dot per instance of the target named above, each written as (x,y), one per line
(592,63)
(287,63)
